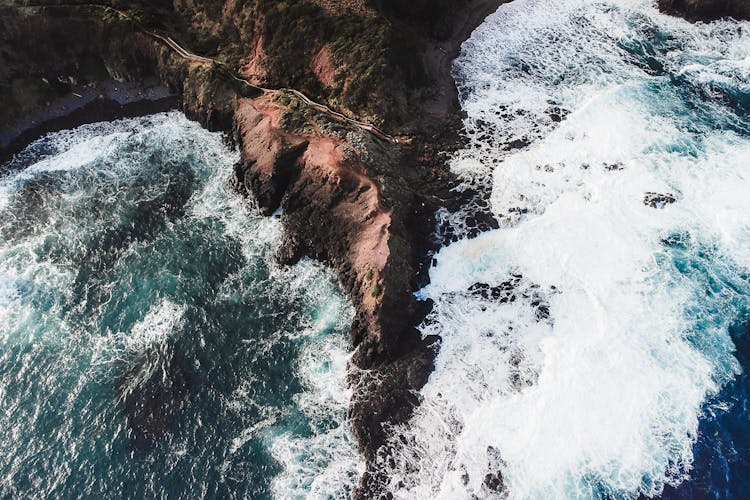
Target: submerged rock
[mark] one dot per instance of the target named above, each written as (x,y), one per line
(152,394)
(658,200)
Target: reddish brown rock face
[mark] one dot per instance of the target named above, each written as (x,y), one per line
(270,154)
(335,209)
(319,179)
(253,68)
(323,67)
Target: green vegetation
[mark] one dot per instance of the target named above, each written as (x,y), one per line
(375,58)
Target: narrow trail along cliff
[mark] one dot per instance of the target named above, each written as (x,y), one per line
(185,54)
(192,57)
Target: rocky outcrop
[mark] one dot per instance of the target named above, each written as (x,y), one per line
(363,205)
(344,196)
(658,200)
(706,10)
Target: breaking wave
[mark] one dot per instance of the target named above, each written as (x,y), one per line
(585,340)
(149,344)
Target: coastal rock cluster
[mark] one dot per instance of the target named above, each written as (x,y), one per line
(342,205)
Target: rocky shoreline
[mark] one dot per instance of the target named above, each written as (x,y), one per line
(361,205)
(101,101)
(706,10)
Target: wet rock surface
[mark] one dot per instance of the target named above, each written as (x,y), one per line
(706,10)
(658,200)
(513,289)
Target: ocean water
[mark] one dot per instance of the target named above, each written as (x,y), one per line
(596,345)
(149,345)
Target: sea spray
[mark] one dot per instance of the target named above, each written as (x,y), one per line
(581,341)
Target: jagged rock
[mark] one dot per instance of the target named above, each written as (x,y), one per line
(504,292)
(511,290)
(613,167)
(493,480)
(658,200)
(706,10)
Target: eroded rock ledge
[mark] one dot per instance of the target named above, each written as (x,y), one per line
(344,204)
(357,203)
(706,10)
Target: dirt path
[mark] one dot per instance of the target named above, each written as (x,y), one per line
(190,56)
(186,54)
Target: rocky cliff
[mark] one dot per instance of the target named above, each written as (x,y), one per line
(359,202)
(706,10)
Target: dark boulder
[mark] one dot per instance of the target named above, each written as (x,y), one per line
(706,10)
(658,200)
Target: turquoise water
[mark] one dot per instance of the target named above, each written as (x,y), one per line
(149,345)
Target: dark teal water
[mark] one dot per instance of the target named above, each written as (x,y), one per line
(149,345)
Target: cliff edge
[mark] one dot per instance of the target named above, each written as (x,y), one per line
(706,10)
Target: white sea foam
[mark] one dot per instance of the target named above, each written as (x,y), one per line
(40,257)
(324,462)
(160,323)
(147,336)
(8,290)
(5,194)
(603,397)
